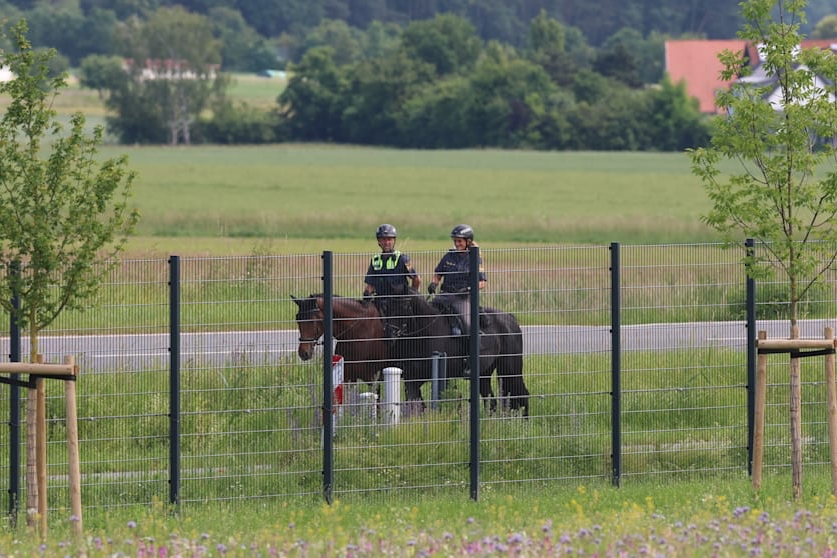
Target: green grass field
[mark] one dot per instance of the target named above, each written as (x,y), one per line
(294,194)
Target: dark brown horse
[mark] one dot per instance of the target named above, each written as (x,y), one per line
(358,329)
(501,351)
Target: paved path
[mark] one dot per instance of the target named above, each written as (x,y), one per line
(150,351)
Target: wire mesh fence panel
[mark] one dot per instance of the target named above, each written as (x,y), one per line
(250,422)
(251,387)
(684,373)
(120,345)
(381,444)
(561,297)
(816,309)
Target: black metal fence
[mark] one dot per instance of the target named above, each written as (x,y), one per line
(190,388)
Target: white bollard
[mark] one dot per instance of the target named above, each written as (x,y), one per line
(391,407)
(359,407)
(369,406)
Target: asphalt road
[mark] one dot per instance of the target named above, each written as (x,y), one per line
(150,351)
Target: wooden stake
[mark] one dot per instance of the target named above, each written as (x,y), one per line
(831,402)
(73,449)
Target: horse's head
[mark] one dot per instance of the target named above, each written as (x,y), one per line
(309,320)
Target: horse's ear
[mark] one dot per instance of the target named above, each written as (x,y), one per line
(295,299)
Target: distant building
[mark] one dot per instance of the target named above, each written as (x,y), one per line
(6,74)
(169,69)
(695,62)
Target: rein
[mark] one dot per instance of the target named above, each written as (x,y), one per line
(339,337)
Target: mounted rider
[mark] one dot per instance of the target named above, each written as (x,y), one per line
(453,272)
(388,278)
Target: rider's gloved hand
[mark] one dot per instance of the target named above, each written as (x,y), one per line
(431,288)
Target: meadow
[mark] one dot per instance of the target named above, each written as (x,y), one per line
(296,194)
(722,518)
(300,199)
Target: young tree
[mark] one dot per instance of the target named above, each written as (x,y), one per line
(173,62)
(785,194)
(64,215)
(781,129)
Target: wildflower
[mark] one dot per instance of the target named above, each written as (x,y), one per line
(739,511)
(515,538)
(132,525)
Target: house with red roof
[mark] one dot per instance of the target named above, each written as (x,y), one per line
(695,62)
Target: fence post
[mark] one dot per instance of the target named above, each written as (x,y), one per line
(615,364)
(474,361)
(328,388)
(14,408)
(174,380)
(831,402)
(751,355)
(758,425)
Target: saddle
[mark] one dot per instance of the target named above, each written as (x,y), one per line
(455,321)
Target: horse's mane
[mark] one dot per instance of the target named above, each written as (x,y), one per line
(355,303)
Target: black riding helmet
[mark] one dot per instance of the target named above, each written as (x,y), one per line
(385,231)
(462,231)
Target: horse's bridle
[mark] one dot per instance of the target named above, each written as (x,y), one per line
(314,340)
(317,341)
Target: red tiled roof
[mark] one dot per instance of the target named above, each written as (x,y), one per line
(696,63)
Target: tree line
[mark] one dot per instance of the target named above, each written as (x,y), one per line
(388,73)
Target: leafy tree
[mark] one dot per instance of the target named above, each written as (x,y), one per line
(439,116)
(173,61)
(124,9)
(546,47)
(648,54)
(447,41)
(346,42)
(102,73)
(673,119)
(375,96)
(242,47)
(312,102)
(64,214)
(785,194)
(240,123)
(271,18)
(619,63)
(826,28)
(380,40)
(505,87)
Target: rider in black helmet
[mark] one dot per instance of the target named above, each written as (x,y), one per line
(388,277)
(453,273)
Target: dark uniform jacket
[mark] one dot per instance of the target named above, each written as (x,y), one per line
(454,269)
(389,273)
